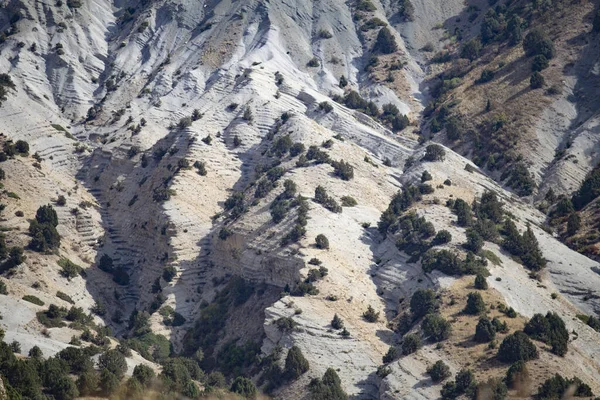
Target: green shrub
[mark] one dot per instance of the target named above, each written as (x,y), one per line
(43,230)
(336,322)
(392,354)
(551,330)
(69,268)
(385,43)
(313,62)
(438,371)
(348,201)
(475,304)
(113,361)
(537,42)
(423,302)
(322,242)
(442,237)
(484,331)
(517,375)
(471,49)
(436,328)
(244,387)
(539,63)
(536,81)
(426,176)
(329,387)
(343,170)
(573,224)
(486,76)
(434,152)
(480,282)
(370,315)
(33,299)
(295,363)
(463,212)
(517,347)
(410,343)
(557,387)
(474,241)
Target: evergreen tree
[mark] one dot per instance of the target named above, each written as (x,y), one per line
(475,304)
(423,302)
(295,363)
(532,255)
(485,330)
(573,224)
(385,42)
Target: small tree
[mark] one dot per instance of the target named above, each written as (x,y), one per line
(485,330)
(343,169)
(114,362)
(169,273)
(537,42)
(426,176)
(423,302)
(244,387)
(442,237)
(336,322)
(385,42)
(295,363)
(573,224)
(436,328)
(539,63)
(517,375)
(322,242)
(536,81)
(438,371)
(434,152)
(370,315)
(411,343)
(475,304)
(516,347)
(474,241)
(480,282)
(471,49)
(392,354)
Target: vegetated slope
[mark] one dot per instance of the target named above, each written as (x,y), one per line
(494,111)
(195,127)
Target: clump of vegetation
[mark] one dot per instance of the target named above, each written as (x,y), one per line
(423,302)
(371,315)
(343,170)
(330,386)
(549,329)
(524,246)
(385,43)
(557,387)
(295,363)
(517,347)
(434,152)
(464,382)
(436,328)
(411,343)
(399,204)
(438,371)
(321,197)
(33,299)
(44,236)
(475,304)
(69,268)
(322,242)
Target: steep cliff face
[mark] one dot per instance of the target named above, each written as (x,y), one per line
(169,128)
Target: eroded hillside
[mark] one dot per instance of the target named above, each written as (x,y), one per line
(246,193)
